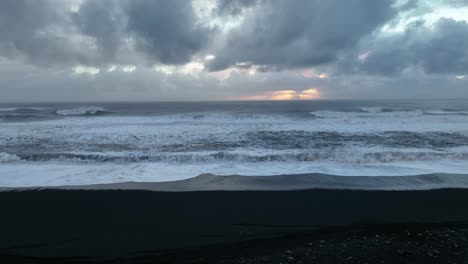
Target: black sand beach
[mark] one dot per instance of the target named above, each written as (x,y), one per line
(132,226)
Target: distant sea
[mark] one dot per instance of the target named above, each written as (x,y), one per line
(89,143)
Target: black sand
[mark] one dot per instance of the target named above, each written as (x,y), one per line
(148,226)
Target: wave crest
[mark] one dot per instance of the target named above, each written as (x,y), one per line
(351,156)
(91,110)
(6,157)
(445,112)
(371,109)
(385,112)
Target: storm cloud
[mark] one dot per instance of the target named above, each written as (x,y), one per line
(231,49)
(38,32)
(50,32)
(298,33)
(166,31)
(439,49)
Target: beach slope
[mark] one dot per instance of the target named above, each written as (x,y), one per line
(134,219)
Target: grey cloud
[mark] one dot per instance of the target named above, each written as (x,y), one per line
(22,83)
(47,32)
(457,3)
(298,33)
(143,84)
(104,21)
(442,49)
(234,7)
(167,31)
(409,85)
(445,49)
(34,31)
(275,37)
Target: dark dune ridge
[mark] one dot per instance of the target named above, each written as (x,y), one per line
(106,221)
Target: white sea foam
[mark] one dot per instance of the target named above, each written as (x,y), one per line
(368,113)
(7,109)
(371,109)
(90,110)
(350,155)
(12,109)
(6,157)
(445,112)
(64,173)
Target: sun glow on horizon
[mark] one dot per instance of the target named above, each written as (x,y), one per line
(309,94)
(284,95)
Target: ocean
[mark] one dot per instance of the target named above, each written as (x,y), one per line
(90,143)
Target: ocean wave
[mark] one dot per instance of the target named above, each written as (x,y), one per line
(21,109)
(354,156)
(385,112)
(445,112)
(368,109)
(91,110)
(22,117)
(7,109)
(376,112)
(6,157)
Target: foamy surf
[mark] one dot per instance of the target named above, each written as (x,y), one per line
(91,110)
(110,143)
(27,174)
(6,157)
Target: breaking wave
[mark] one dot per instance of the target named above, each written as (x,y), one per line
(374,112)
(21,109)
(372,109)
(87,111)
(385,112)
(80,111)
(345,156)
(6,157)
(445,112)
(26,114)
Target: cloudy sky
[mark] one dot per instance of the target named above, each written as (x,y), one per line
(172,50)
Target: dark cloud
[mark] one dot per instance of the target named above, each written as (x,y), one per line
(166,31)
(37,32)
(440,49)
(299,33)
(444,49)
(104,21)
(47,32)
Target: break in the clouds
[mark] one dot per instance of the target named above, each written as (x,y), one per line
(52,50)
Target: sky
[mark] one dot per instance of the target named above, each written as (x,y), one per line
(201,50)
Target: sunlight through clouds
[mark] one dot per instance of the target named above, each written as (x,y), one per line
(284,95)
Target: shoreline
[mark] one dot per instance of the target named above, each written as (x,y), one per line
(288,182)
